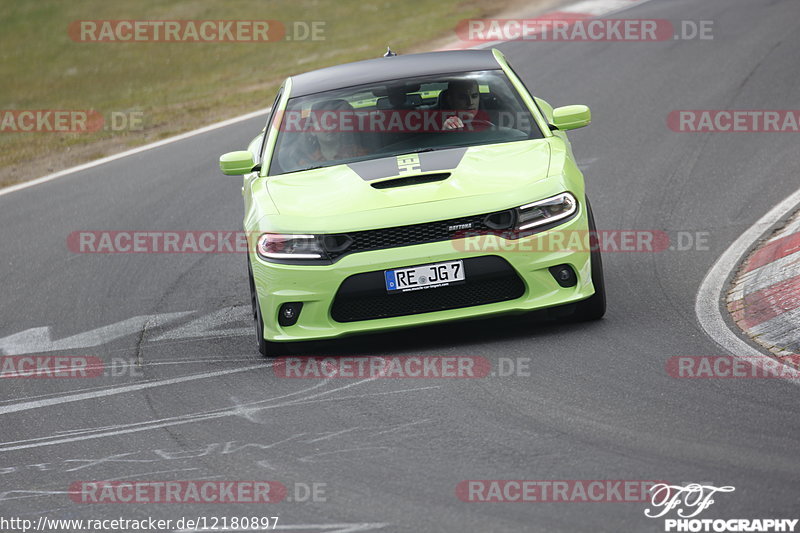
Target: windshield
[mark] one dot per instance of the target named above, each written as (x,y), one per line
(399,117)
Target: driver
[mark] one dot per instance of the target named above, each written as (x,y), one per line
(464,97)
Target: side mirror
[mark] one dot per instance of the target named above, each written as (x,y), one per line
(236,163)
(571,117)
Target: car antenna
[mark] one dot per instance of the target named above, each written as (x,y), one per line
(389,52)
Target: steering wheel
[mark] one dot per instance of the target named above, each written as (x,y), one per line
(480,121)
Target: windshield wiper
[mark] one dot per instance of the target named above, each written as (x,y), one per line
(311,168)
(412,151)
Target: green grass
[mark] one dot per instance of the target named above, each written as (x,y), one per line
(181,86)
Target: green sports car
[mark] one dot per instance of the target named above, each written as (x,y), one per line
(413,189)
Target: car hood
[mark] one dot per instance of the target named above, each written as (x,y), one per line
(481,179)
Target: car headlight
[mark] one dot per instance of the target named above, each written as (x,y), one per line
(279,246)
(546,211)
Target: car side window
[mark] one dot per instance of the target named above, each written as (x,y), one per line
(269,121)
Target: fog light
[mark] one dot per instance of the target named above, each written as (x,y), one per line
(564,275)
(289,313)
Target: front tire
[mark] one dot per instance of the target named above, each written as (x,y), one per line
(594,307)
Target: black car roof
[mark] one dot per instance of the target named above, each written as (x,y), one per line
(391,68)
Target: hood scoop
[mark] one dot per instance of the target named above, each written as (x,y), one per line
(411,180)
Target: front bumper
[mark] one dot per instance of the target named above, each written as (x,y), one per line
(317,286)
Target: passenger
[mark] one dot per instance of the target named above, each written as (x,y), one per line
(333,145)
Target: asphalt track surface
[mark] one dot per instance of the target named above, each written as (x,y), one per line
(598,403)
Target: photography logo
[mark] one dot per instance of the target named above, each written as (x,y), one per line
(689,500)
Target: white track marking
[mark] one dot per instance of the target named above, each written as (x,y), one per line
(140,149)
(600,7)
(196,417)
(143,365)
(4,495)
(35,340)
(68,398)
(708,305)
(39,339)
(119,429)
(612,7)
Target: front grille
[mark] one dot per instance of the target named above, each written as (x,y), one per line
(377,239)
(489,279)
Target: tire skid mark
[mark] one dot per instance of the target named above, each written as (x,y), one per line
(245,411)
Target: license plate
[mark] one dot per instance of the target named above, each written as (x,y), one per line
(424,277)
